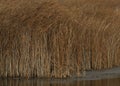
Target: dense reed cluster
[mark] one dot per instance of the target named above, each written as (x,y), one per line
(58,38)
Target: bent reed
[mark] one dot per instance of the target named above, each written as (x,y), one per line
(49,38)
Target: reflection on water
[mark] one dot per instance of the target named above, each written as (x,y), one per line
(39,82)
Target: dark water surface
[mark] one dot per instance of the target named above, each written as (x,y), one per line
(70,82)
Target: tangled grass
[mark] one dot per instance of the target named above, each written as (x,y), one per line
(58,38)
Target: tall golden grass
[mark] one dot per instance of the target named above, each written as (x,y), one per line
(58,38)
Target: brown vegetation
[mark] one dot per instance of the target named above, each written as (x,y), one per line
(58,38)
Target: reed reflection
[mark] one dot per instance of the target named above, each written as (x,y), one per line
(42,82)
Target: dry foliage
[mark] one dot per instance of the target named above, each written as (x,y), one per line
(46,38)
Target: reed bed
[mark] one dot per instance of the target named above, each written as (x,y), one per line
(59,39)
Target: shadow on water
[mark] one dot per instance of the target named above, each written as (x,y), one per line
(41,82)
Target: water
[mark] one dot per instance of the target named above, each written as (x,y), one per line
(70,82)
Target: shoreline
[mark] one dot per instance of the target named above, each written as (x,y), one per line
(102,74)
(90,75)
